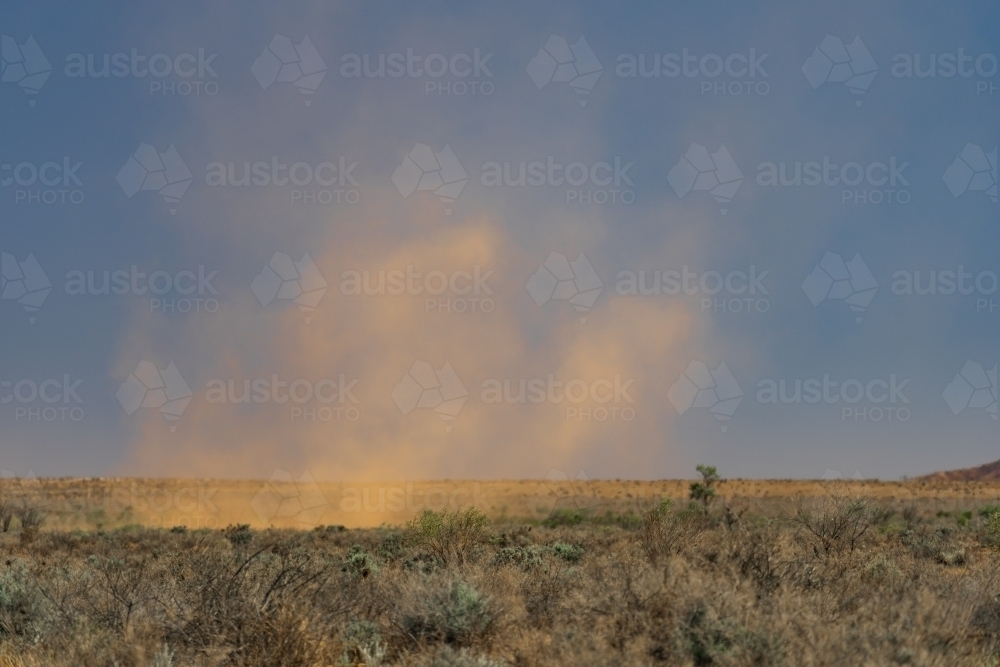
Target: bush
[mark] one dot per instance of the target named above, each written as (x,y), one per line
(458,614)
(525,558)
(568,552)
(23,609)
(564,517)
(31,519)
(362,643)
(450,536)
(359,562)
(840,522)
(664,533)
(993,528)
(449,657)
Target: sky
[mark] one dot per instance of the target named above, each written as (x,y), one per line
(471,240)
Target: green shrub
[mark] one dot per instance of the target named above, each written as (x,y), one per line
(238,535)
(564,517)
(568,552)
(23,609)
(449,535)
(525,558)
(458,614)
(362,643)
(993,528)
(359,562)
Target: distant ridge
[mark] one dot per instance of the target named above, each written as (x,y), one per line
(988,472)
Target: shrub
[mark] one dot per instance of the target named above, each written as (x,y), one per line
(31,519)
(993,527)
(564,517)
(239,535)
(362,643)
(23,609)
(450,536)
(458,614)
(449,657)
(840,522)
(525,558)
(359,562)
(664,533)
(570,553)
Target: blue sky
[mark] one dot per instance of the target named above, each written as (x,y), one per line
(514,109)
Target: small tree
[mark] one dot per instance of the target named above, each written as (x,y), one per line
(704,490)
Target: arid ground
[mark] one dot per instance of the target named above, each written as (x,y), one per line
(89,504)
(161,573)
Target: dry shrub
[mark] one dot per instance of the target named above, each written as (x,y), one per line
(839,522)
(664,532)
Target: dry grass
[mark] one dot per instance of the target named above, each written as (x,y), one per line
(839,580)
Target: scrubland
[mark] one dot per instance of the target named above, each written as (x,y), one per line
(840,577)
